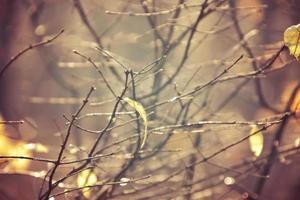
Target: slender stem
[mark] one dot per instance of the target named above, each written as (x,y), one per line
(30,47)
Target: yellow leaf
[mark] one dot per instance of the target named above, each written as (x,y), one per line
(292,40)
(140,109)
(86,178)
(256,141)
(10,147)
(19,165)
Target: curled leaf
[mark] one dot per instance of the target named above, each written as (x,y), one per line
(140,109)
(292,40)
(256,141)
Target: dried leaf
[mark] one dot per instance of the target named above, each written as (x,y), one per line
(140,109)
(256,141)
(86,178)
(292,40)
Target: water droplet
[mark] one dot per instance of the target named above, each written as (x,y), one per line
(40,30)
(125,181)
(229,180)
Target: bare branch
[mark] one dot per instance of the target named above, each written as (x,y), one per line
(30,47)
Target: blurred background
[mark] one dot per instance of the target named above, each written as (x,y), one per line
(201,100)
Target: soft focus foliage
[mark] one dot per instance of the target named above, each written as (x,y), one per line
(10,147)
(86,178)
(256,141)
(36,147)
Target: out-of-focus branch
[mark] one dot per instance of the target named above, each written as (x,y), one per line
(98,70)
(276,142)
(201,123)
(152,23)
(86,21)
(204,12)
(263,101)
(179,7)
(246,163)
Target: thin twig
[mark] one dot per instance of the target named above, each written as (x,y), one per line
(130,163)
(98,70)
(250,53)
(180,7)
(63,146)
(30,47)
(55,161)
(101,184)
(10,122)
(94,146)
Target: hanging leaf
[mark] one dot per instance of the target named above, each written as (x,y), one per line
(256,141)
(86,178)
(292,40)
(140,109)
